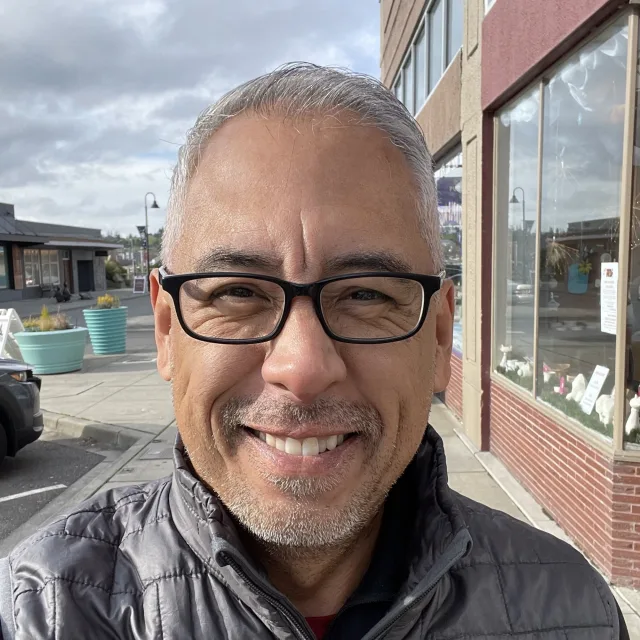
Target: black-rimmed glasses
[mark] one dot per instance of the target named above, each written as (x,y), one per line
(245,308)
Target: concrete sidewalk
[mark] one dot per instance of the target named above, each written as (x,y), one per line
(124,399)
(482,477)
(27,308)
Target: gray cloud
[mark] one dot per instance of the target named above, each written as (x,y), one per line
(96,95)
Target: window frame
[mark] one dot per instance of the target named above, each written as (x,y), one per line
(424,22)
(616,445)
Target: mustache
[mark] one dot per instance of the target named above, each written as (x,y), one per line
(361,418)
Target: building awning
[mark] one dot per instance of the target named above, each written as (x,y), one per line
(22,239)
(82,244)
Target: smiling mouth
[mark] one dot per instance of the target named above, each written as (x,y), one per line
(303,447)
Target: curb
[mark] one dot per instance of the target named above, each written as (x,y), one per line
(116,437)
(85,487)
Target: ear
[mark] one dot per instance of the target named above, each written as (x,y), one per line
(444,336)
(163,316)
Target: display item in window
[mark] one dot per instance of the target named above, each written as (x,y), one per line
(633,421)
(578,387)
(505,350)
(605,406)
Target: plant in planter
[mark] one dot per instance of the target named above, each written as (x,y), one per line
(107,324)
(51,344)
(584,267)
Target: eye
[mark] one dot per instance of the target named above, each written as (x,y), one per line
(234,292)
(367,295)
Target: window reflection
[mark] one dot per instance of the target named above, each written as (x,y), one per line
(449,186)
(421,69)
(407,78)
(516,209)
(579,229)
(436,23)
(455,27)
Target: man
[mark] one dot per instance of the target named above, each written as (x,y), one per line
(303,321)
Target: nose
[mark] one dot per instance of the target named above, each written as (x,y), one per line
(303,360)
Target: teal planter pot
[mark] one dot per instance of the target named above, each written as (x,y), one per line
(108,330)
(53,351)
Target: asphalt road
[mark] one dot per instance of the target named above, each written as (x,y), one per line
(39,473)
(44,469)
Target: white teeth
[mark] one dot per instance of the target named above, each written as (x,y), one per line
(293,447)
(307,447)
(310,447)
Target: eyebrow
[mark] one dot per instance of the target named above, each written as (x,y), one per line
(368,261)
(221,259)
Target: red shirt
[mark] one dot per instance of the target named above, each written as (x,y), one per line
(320,625)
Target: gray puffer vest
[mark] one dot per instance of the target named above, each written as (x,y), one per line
(164,561)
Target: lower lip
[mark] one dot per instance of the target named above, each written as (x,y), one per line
(321,464)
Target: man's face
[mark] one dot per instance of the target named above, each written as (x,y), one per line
(301,201)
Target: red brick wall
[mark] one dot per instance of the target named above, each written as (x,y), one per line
(594,499)
(453,395)
(626,523)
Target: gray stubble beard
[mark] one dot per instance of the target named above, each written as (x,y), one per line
(303,525)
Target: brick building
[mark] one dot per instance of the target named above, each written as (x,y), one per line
(529,109)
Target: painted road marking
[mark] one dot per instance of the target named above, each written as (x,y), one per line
(24,494)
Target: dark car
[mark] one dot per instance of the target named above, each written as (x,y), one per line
(21,420)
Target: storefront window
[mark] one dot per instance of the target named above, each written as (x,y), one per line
(516,213)
(31,268)
(632,405)
(584,107)
(449,187)
(578,237)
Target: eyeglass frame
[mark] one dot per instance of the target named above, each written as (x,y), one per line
(172,283)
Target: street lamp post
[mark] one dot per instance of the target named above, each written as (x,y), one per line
(146,229)
(514,200)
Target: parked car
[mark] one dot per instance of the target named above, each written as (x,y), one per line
(520,293)
(21,420)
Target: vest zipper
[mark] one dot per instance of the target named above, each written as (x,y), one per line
(457,549)
(291,616)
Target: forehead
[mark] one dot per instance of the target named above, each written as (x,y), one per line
(304,189)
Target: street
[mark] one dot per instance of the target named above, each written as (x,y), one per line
(42,471)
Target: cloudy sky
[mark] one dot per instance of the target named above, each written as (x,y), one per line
(96,95)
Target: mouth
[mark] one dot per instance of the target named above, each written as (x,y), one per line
(307,447)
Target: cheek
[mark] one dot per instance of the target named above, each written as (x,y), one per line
(397,380)
(204,374)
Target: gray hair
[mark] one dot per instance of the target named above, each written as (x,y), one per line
(297,90)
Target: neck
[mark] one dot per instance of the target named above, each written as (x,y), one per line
(319,581)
